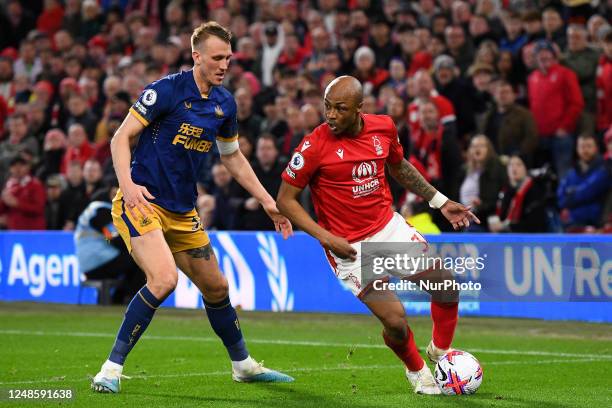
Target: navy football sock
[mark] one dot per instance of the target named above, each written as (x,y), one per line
(137,317)
(224,321)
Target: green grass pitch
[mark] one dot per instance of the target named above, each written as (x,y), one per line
(337,360)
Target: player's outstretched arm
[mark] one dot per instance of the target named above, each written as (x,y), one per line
(242,171)
(289,205)
(134,196)
(409,177)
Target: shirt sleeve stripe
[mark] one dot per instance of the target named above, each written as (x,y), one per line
(227,139)
(139,117)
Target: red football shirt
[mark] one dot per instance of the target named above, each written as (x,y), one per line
(346,175)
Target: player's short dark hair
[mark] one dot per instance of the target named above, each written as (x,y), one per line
(210,29)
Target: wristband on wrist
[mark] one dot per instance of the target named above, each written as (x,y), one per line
(438,200)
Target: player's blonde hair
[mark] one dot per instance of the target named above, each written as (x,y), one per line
(209,29)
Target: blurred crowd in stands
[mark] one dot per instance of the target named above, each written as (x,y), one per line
(504,105)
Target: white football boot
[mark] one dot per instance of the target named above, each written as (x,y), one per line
(250,370)
(423,381)
(108,380)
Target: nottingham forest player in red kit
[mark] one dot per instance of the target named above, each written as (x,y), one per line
(343,161)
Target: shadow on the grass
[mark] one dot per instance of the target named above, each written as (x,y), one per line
(488,399)
(291,397)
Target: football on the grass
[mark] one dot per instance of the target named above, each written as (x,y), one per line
(458,373)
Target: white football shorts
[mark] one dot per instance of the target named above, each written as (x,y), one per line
(397,230)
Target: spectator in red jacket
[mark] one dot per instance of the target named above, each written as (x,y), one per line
(604,85)
(556,102)
(22,203)
(79,149)
(425,91)
(51,18)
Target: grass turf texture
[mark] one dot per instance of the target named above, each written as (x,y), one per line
(337,360)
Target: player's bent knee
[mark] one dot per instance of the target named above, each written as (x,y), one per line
(217,291)
(163,285)
(394,321)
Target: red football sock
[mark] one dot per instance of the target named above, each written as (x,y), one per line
(406,351)
(444,316)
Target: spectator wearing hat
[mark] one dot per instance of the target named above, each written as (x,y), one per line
(366,71)
(556,102)
(583,60)
(510,126)
(604,85)
(457,91)
(272,46)
(22,202)
(92,19)
(42,93)
(581,193)
(481,83)
(53,216)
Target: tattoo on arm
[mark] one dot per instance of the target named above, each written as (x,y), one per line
(410,178)
(203,252)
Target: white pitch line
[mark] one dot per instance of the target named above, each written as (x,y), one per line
(299,343)
(292,370)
